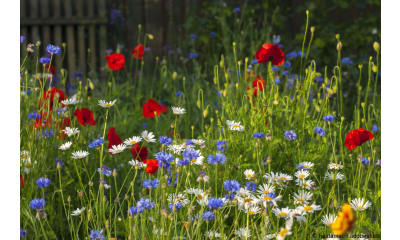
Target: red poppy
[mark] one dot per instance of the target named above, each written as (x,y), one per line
(357,137)
(65,123)
(270,52)
(137,52)
(113,138)
(259,83)
(115,61)
(53,93)
(139,152)
(152,166)
(22,180)
(266,123)
(151,109)
(84,116)
(43,121)
(50,68)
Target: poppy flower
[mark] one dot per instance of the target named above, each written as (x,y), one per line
(139,152)
(113,138)
(270,52)
(65,123)
(152,166)
(137,52)
(357,137)
(259,83)
(115,61)
(50,68)
(22,180)
(84,116)
(43,121)
(53,93)
(151,109)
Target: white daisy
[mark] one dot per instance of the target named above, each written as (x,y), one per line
(178,198)
(302,174)
(249,174)
(71,131)
(286,230)
(117,148)
(178,110)
(212,234)
(265,189)
(235,126)
(26,161)
(148,136)
(176,148)
(285,177)
(65,146)
(359,204)
(198,160)
(243,233)
(268,198)
(133,140)
(80,154)
(334,176)
(282,213)
(105,104)
(328,219)
(272,177)
(336,166)
(71,101)
(199,142)
(253,210)
(78,211)
(311,208)
(305,165)
(298,213)
(307,184)
(203,177)
(137,164)
(302,197)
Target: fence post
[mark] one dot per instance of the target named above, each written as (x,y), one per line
(34,5)
(57,31)
(44,6)
(70,40)
(24,30)
(102,37)
(92,38)
(81,41)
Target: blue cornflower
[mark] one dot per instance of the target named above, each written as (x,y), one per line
(165,140)
(44,60)
(290,135)
(135,210)
(287,64)
(190,154)
(183,162)
(365,160)
(178,93)
(230,196)
(164,159)
(286,72)
(37,203)
(236,10)
(22,233)
(212,34)
(22,39)
(47,133)
(145,203)
(254,61)
(320,131)
(251,186)
(175,207)
(301,54)
(105,170)
(215,203)
(219,93)
(96,234)
(208,216)
(319,79)
(291,55)
(145,125)
(59,162)
(328,118)
(258,135)
(193,55)
(347,60)
(375,128)
(189,142)
(193,36)
(222,145)
(231,185)
(33,115)
(96,143)
(43,182)
(275,69)
(277,81)
(218,158)
(53,49)
(116,16)
(150,184)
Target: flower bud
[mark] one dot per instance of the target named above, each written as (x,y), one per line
(376,46)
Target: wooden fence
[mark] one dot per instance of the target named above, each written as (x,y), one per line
(81,24)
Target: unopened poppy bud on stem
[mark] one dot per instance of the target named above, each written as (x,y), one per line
(339,46)
(376,46)
(312,29)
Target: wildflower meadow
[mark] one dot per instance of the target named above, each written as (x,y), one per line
(232,135)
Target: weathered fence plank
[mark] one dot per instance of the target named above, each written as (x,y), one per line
(57,30)
(92,37)
(34,13)
(70,39)
(102,33)
(24,30)
(44,13)
(81,40)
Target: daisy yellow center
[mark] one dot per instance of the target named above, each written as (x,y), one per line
(302,175)
(283,214)
(108,105)
(133,142)
(194,160)
(117,150)
(251,212)
(200,196)
(305,185)
(300,200)
(307,208)
(236,126)
(266,191)
(28,165)
(283,232)
(268,198)
(359,207)
(248,200)
(250,175)
(283,178)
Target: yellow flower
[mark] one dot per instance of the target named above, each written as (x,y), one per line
(344,222)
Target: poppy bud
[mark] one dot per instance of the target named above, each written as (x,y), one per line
(376,46)
(339,46)
(150,36)
(205,113)
(174,75)
(312,29)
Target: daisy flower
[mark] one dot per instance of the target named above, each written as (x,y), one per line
(334,176)
(305,165)
(117,148)
(272,177)
(105,104)
(285,177)
(235,126)
(176,148)
(80,154)
(137,164)
(307,184)
(202,177)
(132,141)
(249,174)
(198,160)
(310,208)
(178,198)
(71,101)
(298,213)
(212,234)
(243,233)
(283,232)
(302,197)
(65,146)
(336,166)
(359,204)
(328,219)
(302,174)
(178,110)
(199,142)
(78,211)
(71,131)
(282,213)
(269,198)
(265,189)
(148,136)
(253,210)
